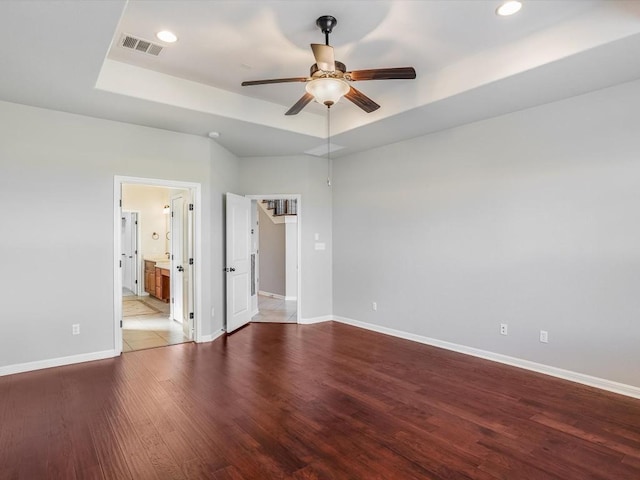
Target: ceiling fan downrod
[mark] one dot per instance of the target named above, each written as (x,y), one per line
(326,24)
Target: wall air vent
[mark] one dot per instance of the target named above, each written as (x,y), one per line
(144,46)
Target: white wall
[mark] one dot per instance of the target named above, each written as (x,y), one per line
(530,219)
(291,260)
(272,255)
(56,182)
(149,201)
(305,175)
(224,177)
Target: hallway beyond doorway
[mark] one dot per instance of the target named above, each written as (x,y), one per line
(275,310)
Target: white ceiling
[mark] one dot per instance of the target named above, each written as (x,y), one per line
(470,63)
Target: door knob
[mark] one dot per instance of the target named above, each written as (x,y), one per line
(231,269)
(180,268)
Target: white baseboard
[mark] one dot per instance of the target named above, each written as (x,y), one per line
(211,337)
(601,383)
(309,321)
(57,362)
(255,312)
(269,294)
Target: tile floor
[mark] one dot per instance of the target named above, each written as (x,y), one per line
(152,329)
(275,310)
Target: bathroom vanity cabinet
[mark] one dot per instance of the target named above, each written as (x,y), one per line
(162,284)
(157,281)
(150,277)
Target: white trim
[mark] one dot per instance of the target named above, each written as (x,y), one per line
(117,276)
(210,337)
(601,383)
(312,320)
(272,295)
(298,198)
(290,299)
(196,199)
(57,362)
(255,312)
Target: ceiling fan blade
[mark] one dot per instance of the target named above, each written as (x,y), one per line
(361,100)
(401,73)
(324,57)
(275,80)
(300,104)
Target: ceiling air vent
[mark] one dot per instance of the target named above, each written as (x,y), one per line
(144,46)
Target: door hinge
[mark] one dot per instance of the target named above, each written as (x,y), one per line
(191,261)
(172,214)
(121,202)
(136,282)
(120,263)
(191,206)
(120,323)
(191,316)
(136,222)
(173,300)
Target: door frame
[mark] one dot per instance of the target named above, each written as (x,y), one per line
(297,197)
(196,198)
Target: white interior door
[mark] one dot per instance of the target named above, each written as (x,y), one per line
(238,261)
(129,251)
(135,264)
(177,258)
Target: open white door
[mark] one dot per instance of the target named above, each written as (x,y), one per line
(182,271)
(238,261)
(129,249)
(177,258)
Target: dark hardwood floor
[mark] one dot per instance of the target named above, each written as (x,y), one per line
(310,402)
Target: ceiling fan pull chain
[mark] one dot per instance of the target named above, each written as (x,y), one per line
(329,162)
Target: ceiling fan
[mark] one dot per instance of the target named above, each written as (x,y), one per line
(329,79)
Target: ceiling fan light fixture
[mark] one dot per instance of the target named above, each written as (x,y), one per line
(509,8)
(327,91)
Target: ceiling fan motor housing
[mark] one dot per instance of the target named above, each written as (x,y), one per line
(341,68)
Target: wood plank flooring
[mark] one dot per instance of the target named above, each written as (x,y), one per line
(325,401)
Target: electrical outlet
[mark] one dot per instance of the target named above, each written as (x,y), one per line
(503,329)
(374,306)
(75,329)
(544,336)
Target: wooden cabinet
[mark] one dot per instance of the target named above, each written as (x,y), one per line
(150,277)
(157,281)
(162,284)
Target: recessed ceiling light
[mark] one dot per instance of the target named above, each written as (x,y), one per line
(509,8)
(166,36)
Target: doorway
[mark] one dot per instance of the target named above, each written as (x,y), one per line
(275,249)
(162,308)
